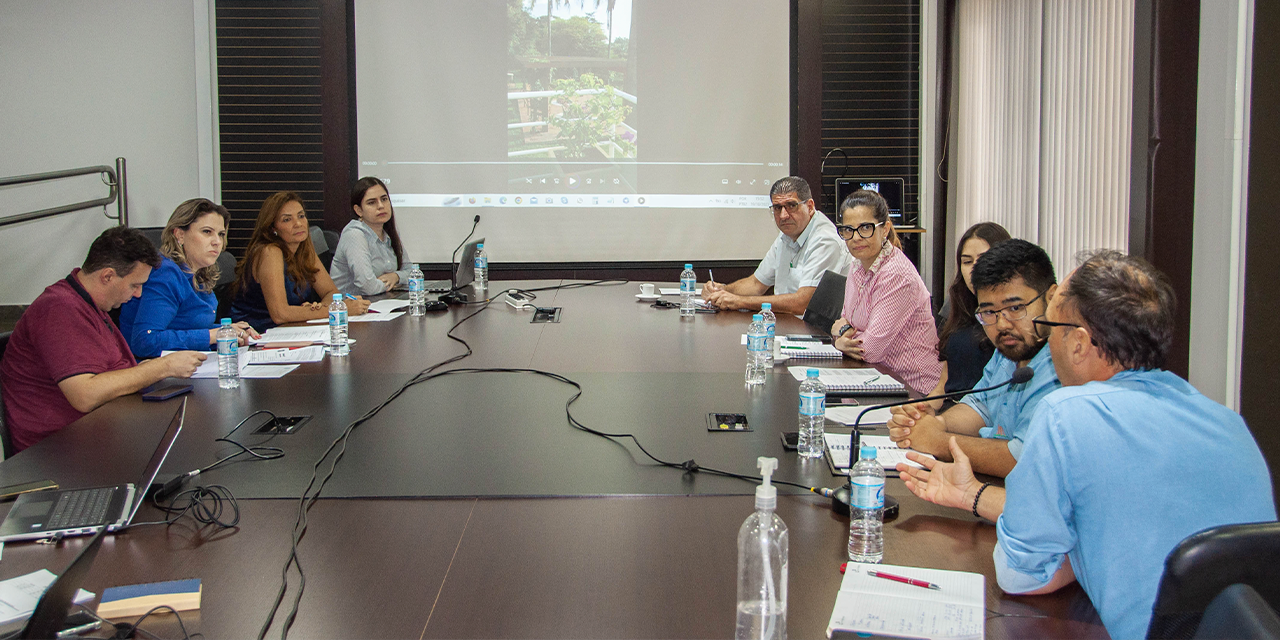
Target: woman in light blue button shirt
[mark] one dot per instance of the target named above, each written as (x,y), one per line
(369,252)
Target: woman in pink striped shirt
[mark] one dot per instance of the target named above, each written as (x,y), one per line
(887,319)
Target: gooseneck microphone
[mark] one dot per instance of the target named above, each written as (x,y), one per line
(453,259)
(840,497)
(453,297)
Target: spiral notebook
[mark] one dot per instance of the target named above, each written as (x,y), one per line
(807,349)
(859,381)
(888,454)
(871,605)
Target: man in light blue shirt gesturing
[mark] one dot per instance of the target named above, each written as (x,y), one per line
(1119,465)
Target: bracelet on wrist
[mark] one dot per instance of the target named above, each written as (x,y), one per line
(978,497)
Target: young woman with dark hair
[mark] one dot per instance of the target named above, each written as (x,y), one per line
(963,346)
(370,258)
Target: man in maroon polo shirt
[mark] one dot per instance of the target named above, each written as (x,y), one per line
(66,357)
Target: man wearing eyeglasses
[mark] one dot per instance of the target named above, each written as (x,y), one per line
(1010,281)
(807,245)
(1121,464)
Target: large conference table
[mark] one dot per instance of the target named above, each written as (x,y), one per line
(469,507)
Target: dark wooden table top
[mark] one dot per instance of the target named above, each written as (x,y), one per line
(482,542)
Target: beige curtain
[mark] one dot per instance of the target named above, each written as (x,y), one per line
(1044,120)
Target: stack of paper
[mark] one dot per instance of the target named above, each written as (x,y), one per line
(18,596)
(884,607)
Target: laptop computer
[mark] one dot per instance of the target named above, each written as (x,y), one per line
(74,512)
(50,614)
(464,271)
(826,304)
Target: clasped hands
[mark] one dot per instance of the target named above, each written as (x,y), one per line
(918,426)
(848,341)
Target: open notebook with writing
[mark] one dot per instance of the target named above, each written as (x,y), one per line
(866,604)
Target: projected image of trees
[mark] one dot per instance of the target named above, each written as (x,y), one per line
(570,81)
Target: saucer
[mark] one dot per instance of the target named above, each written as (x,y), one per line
(651,298)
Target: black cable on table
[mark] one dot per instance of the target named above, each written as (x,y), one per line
(312,491)
(126,630)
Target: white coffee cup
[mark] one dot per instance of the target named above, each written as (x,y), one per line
(646,289)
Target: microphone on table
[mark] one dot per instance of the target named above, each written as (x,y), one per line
(452,296)
(840,497)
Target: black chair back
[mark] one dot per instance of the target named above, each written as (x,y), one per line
(826,304)
(1239,612)
(5,442)
(1204,564)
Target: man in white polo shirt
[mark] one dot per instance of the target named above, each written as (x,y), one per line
(807,246)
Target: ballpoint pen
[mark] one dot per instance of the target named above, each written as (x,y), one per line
(911,581)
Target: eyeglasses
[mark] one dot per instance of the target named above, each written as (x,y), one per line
(865,230)
(1012,312)
(791,206)
(1043,327)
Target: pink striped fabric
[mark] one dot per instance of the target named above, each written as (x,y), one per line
(888,307)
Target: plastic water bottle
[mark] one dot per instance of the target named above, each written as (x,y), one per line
(228,356)
(482,268)
(813,409)
(866,508)
(762,566)
(688,280)
(417,292)
(338,327)
(770,320)
(757,354)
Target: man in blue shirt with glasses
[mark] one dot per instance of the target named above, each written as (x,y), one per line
(1010,281)
(1121,464)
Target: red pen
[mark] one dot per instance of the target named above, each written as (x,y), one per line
(911,581)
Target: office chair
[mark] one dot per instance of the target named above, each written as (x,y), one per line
(1204,564)
(826,304)
(319,239)
(226,269)
(152,233)
(5,442)
(1239,612)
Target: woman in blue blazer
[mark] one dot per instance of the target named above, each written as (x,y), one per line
(177,308)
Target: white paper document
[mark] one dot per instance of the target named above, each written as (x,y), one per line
(879,606)
(313,353)
(848,413)
(387,306)
(319,335)
(669,291)
(367,317)
(18,596)
(267,371)
(888,453)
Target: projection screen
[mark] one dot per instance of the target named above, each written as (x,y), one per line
(631,130)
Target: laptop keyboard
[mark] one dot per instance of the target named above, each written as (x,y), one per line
(81,509)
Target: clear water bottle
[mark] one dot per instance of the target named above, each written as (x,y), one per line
(688,281)
(813,410)
(770,320)
(417,292)
(338,327)
(228,356)
(762,566)
(757,354)
(482,268)
(866,508)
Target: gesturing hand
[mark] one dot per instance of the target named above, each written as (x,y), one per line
(950,484)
